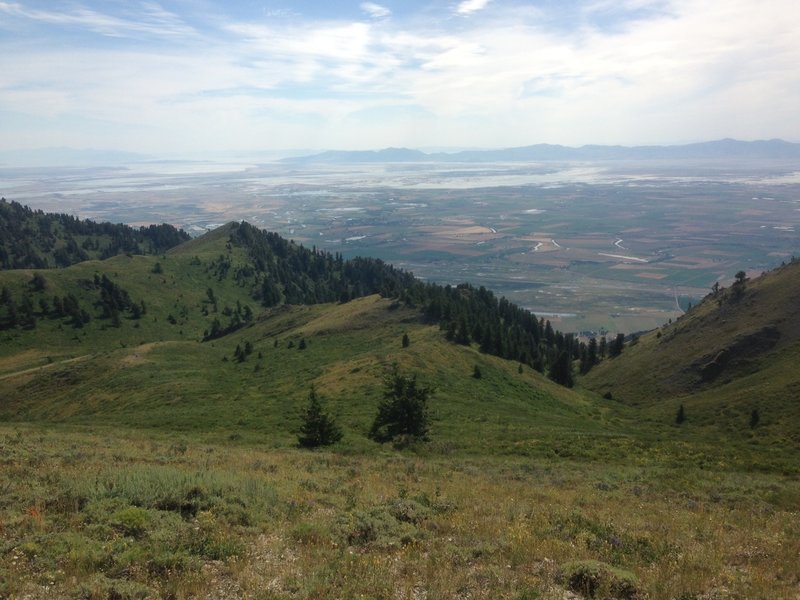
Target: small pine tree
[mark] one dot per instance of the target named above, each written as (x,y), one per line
(239,354)
(755,418)
(319,428)
(302,344)
(403,412)
(681,416)
(476,372)
(406,341)
(38,283)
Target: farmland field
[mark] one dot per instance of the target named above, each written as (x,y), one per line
(593,247)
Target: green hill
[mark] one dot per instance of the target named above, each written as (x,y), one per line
(32,239)
(150,406)
(151,341)
(207,338)
(735,353)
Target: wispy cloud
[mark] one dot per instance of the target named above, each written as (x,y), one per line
(149,18)
(375,10)
(654,72)
(470,6)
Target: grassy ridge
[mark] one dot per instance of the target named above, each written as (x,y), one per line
(189,385)
(734,353)
(156,372)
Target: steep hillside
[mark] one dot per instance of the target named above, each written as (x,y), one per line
(36,240)
(225,334)
(218,283)
(734,353)
(344,350)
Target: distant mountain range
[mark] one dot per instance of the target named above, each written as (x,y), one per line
(726,149)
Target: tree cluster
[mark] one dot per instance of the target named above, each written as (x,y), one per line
(36,240)
(285,272)
(33,303)
(237,318)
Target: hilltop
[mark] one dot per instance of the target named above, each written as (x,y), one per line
(734,353)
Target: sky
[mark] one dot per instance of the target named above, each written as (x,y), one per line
(177,77)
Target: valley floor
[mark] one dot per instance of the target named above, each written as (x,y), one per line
(104,513)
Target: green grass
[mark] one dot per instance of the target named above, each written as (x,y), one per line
(189,385)
(664,369)
(138,461)
(109,512)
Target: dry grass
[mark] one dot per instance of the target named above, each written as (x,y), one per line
(81,517)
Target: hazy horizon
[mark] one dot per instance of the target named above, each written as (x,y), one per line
(179,78)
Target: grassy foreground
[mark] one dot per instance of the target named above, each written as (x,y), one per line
(103,513)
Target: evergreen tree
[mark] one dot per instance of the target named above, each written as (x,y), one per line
(476,372)
(681,416)
(561,369)
(239,354)
(406,341)
(602,348)
(592,353)
(615,348)
(462,337)
(403,412)
(318,428)
(755,418)
(38,283)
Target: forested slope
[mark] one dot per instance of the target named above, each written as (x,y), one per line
(32,239)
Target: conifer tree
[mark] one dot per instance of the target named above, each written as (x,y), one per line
(615,348)
(239,354)
(403,410)
(602,347)
(318,429)
(561,370)
(681,416)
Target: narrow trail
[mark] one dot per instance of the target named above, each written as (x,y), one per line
(43,367)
